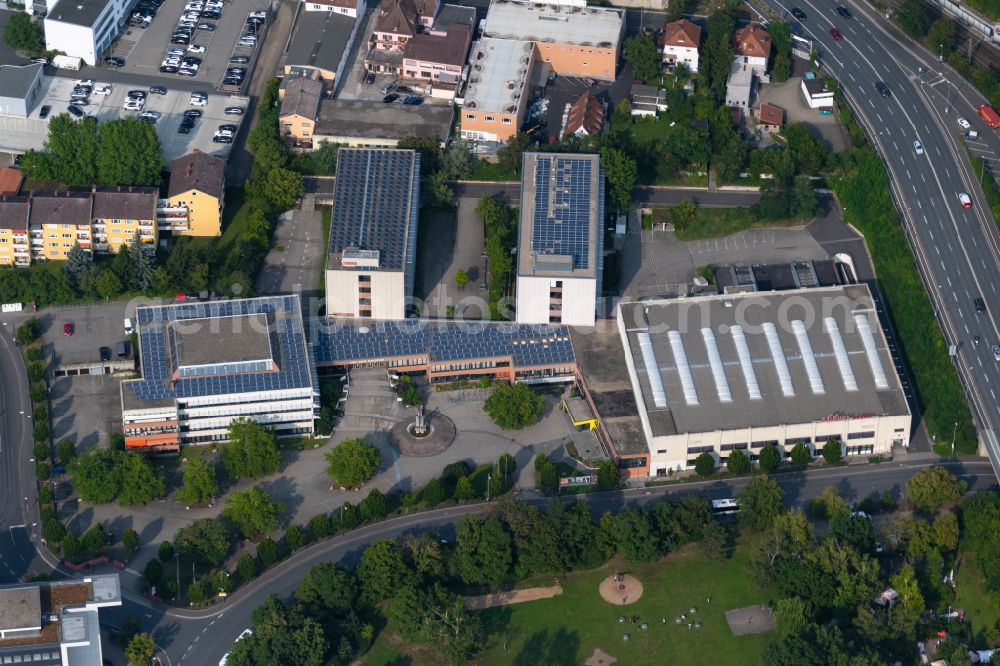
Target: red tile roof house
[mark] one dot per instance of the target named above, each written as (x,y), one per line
(586,116)
(752,47)
(771,118)
(679,44)
(398,22)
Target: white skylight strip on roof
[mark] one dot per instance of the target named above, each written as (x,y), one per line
(850,383)
(746,363)
(871,351)
(718,373)
(805,348)
(652,369)
(683,369)
(780,365)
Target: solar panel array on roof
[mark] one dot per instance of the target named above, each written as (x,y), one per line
(374,203)
(293,355)
(528,345)
(561,220)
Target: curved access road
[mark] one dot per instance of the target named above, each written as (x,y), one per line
(201,637)
(957,249)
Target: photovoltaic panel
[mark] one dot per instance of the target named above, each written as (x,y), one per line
(561,217)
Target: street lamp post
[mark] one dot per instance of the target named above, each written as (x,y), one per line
(954,433)
(940,52)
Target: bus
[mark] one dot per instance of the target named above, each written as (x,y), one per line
(989,114)
(725,507)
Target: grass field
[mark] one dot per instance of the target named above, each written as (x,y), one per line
(567,628)
(980,610)
(719,222)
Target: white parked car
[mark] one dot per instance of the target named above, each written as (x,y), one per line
(196,48)
(199,101)
(963,123)
(102,90)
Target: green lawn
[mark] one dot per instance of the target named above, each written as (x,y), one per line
(719,222)
(980,610)
(566,629)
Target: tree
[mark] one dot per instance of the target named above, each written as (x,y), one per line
(607,475)
(801,455)
(353,462)
(854,529)
(738,463)
(829,504)
(457,161)
(374,506)
(684,214)
(130,539)
(912,18)
(635,537)
(461,278)
(200,484)
(464,490)
(832,451)
(547,474)
(715,542)
(769,458)
(382,571)
(108,285)
(931,488)
(509,154)
(80,265)
(246,567)
(268,552)
(620,171)
(70,153)
(282,187)
(791,615)
(760,502)
(29,331)
(781,42)
(941,36)
(645,58)
(483,550)
(253,512)
(946,531)
(514,406)
(433,493)
(196,593)
(128,153)
(295,537)
(66,451)
(166,551)
(807,152)
(327,589)
(139,482)
(204,541)
(153,572)
(23,33)
(140,649)
(95,475)
(704,465)
(252,452)
(717,53)
(506,466)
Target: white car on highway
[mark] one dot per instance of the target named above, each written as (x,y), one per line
(918,147)
(963,123)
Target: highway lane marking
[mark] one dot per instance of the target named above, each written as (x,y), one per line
(908,176)
(879,117)
(852,77)
(993,394)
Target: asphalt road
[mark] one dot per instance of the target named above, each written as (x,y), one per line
(957,249)
(202,637)
(16,549)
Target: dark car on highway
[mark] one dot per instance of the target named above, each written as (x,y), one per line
(844,12)
(883,89)
(980,306)
(798,13)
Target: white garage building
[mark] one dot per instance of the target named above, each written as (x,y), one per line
(735,372)
(85,28)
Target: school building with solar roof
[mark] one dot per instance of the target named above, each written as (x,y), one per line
(735,372)
(373,233)
(205,364)
(561,240)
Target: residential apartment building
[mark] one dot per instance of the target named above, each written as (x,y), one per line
(496,96)
(438,58)
(679,44)
(560,256)
(373,233)
(14,247)
(85,28)
(206,364)
(398,22)
(752,48)
(300,108)
(195,196)
(352,8)
(120,212)
(571,40)
(57,221)
(320,45)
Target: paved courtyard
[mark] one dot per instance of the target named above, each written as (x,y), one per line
(296,260)
(452,242)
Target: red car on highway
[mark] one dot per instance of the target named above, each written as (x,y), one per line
(836,34)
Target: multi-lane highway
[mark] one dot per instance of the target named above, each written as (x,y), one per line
(957,249)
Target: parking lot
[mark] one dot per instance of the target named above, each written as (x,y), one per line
(144,48)
(22,134)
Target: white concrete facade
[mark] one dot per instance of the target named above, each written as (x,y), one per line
(687,55)
(345,296)
(85,29)
(541,298)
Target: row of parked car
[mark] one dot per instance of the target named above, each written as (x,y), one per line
(196,13)
(145,12)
